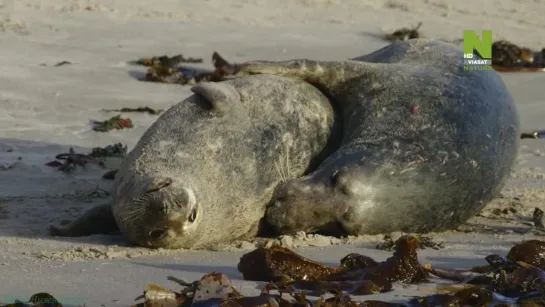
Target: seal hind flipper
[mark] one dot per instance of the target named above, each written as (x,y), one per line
(325,75)
(218,95)
(97,220)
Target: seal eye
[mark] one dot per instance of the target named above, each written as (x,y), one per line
(334,178)
(157,233)
(193,216)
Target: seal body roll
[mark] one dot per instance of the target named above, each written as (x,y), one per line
(426,143)
(203,173)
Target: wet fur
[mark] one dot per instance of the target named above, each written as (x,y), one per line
(425,144)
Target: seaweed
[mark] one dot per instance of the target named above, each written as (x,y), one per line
(424,242)
(165,60)
(139,109)
(114,123)
(509,57)
(96,156)
(272,264)
(517,279)
(167,72)
(404,33)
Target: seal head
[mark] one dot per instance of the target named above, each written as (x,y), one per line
(426,142)
(202,174)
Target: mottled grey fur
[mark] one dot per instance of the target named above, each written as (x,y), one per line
(203,173)
(425,145)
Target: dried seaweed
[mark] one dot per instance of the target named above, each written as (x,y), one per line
(96,156)
(114,123)
(404,33)
(168,73)
(41,299)
(509,57)
(165,60)
(515,280)
(425,242)
(276,262)
(139,109)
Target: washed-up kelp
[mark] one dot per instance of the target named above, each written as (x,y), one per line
(170,71)
(533,135)
(517,279)
(356,272)
(508,57)
(96,156)
(114,123)
(139,109)
(404,34)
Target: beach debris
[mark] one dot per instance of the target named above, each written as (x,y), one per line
(404,34)
(62,63)
(115,122)
(507,54)
(533,135)
(357,273)
(115,150)
(139,109)
(71,161)
(171,73)
(165,60)
(424,242)
(41,299)
(96,156)
(537,217)
(277,262)
(517,279)
(509,57)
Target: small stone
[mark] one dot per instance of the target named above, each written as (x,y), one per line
(116,255)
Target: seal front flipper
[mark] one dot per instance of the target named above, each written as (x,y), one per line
(97,220)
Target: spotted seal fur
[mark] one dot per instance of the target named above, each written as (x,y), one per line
(203,173)
(426,143)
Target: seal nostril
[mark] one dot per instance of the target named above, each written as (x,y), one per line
(157,233)
(161,185)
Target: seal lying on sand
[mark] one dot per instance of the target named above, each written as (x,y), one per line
(203,173)
(426,144)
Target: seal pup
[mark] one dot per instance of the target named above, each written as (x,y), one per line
(426,143)
(202,174)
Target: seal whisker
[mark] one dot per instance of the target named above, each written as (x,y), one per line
(131,215)
(283,170)
(279,171)
(287,162)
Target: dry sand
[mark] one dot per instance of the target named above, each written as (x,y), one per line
(46,110)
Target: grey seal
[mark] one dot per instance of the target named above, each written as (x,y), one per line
(202,174)
(426,143)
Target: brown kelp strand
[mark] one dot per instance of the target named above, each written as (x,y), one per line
(517,279)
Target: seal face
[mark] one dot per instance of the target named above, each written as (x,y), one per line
(203,173)
(426,144)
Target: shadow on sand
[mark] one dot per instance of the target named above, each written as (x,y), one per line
(34,195)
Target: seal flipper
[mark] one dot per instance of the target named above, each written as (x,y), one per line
(97,220)
(219,95)
(325,75)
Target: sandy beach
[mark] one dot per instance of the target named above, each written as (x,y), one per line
(46,109)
